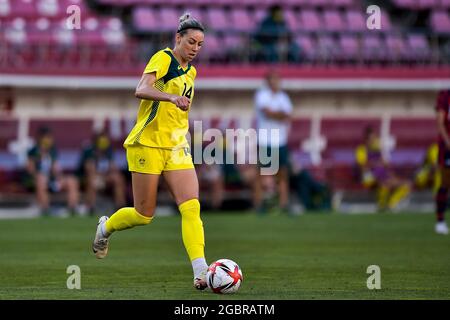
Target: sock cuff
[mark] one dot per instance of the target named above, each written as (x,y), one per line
(140,216)
(190,204)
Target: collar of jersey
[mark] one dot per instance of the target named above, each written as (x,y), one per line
(179,67)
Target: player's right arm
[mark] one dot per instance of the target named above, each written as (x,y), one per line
(441,127)
(156,69)
(441,108)
(146,90)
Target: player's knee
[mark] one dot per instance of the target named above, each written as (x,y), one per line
(190,209)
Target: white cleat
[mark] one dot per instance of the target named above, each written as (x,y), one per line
(100,244)
(441,228)
(200,282)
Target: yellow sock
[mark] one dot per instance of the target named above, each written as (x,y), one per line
(383,193)
(126,218)
(400,193)
(192,229)
(436,181)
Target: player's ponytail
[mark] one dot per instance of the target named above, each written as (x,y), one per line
(187,22)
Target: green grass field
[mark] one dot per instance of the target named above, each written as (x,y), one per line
(312,256)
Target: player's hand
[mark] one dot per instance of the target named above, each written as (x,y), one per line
(181,102)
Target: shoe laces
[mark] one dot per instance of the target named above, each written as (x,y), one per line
(102,243)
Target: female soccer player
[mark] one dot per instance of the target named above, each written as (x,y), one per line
(157,145)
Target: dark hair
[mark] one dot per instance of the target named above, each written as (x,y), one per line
(42,131)
(186,22)
(271,73)
(368,130)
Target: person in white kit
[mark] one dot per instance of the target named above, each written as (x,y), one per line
(273,109)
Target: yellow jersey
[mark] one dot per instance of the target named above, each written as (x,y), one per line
(162,124)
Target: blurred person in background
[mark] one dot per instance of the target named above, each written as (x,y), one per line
(210,172)
(274,40)
(157,145)
(220,175)
(313,194)
(443,125)
(273,109)
(98,172)
(376,174)
(45,176)
(427,175)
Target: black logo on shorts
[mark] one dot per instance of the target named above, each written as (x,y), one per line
(142,161)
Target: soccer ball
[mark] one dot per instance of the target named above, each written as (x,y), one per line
(224,276)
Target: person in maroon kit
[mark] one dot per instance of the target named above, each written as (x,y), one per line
(443,124)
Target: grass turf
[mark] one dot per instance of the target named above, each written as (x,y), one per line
(322,256)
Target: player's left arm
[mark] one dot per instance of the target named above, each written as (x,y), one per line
(276,115)
(263,105)
(56,168)
(281,115)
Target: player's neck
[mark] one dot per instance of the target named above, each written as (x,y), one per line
(183,63)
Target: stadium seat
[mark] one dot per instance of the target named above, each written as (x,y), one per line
(145,19)
(5,8)
(428,4)
(310,20)
(241,20)
(373,49)
(8,133)
(153,20)
(396,48)
(333,21)
(216,19)
(413,132)
(23,8)
(355,21)
(347,132)
(292,20)
(342,3)
(419,48)
(440,22)
(307,47)
(349,48)
(213,49)
(168,19)
(80,131)
(327,48)
(300,131)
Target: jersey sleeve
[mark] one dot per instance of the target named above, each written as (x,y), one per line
(442,100)
(287,104)
(159,63)
(260,100)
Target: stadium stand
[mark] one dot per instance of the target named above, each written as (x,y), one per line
(327,31)
(116,38)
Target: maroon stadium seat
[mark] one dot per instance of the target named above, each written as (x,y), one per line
(68,133)
(8,132)
(300,131)
(346,133)
(413,132)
